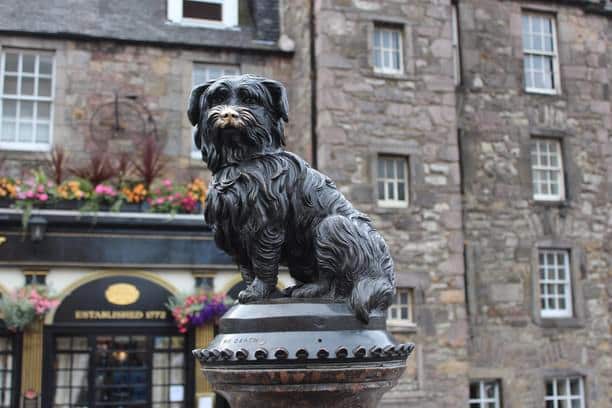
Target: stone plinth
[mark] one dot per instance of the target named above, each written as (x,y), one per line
(302,354)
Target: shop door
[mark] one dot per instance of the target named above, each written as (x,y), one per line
(119,370)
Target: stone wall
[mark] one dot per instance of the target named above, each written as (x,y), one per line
(361,114)
(504,225)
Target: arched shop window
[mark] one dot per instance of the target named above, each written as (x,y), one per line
(113,344)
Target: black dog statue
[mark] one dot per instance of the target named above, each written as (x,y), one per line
(268,207)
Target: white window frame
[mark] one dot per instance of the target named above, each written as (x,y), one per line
(227,70)
(568,397)
(535,156)
(556,79)
(395,202)
(397,307)
(482,400)
(455,45)
(383,69)
(28,146)
(544,270)
(229,11)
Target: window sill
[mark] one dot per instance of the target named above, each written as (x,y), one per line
(545,92)
(401,327)
(372,73)
(564,203)
(560,323)
(25,147)
(392,204)
(203,24)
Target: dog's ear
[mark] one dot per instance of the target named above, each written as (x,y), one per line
(194,108)
(279,97)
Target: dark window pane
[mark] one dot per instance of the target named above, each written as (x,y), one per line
(474,390)
(202,10)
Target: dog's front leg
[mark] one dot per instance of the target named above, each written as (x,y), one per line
(265,257)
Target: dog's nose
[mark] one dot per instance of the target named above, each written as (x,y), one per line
(229,113)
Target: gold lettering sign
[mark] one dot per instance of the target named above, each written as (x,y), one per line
(122,294)
(120,314)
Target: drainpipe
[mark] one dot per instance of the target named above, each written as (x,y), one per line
(313,84)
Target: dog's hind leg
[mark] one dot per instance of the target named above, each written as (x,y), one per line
(353,257)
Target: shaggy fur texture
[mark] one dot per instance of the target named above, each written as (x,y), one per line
(267,207)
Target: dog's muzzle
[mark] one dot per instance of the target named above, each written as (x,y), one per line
(228,117)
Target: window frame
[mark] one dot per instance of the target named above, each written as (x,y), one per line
(399,322)
(554,54)
(568,312)
(194,152)
(561,196)
(567,398)
(455,44)
(482,400)
(34,276)
(385,27)
(393,203)
(27,146)
(229,14)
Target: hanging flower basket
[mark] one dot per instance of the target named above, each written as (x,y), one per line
(197,309)
(25,305)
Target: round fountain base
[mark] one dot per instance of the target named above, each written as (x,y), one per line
(288,353)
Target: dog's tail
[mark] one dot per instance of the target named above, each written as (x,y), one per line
(369,295)
(356,258)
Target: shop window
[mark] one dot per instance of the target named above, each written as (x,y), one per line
(35,277)
(7,371)
(205,282)
(120,370)
(27,100)
(71,372)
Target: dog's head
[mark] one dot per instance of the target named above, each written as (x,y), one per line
(237,117)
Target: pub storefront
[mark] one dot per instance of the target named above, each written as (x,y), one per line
(111,341)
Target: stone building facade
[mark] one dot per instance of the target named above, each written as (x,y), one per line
(508,228)
(419,112)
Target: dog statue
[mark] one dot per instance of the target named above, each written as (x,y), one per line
(267,207)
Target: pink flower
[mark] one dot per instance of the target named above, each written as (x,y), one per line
(99,189)
(159,200)
(40,188)
(43,197)
(29,194)
(167,183)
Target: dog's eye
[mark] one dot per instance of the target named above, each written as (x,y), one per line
(249,100)
(216,99)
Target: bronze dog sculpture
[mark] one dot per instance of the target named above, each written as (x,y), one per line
(267,207)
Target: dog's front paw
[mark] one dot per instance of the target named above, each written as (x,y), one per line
(248,295)
(256,291)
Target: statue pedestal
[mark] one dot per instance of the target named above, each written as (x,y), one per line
(291,353)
